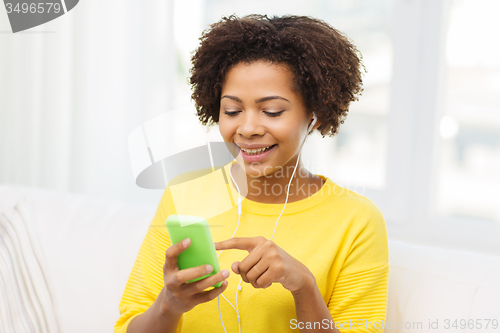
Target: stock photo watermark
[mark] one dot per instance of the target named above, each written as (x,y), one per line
(432,324)
(24,15)
(157,163)
(276,189)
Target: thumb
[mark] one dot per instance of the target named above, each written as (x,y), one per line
(235,267)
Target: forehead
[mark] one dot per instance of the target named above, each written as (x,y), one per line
(259,77)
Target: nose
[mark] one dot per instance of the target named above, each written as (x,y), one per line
(250,124)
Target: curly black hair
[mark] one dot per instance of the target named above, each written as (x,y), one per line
(327,67)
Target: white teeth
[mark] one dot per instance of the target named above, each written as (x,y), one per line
(254,151)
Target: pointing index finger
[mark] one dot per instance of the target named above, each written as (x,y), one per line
(239,243)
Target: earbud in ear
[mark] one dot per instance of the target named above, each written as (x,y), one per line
(314,119)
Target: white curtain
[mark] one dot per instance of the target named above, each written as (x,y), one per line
(73,89)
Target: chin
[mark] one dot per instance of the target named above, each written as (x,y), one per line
(259,170)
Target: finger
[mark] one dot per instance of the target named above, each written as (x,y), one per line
(235,267)
(248,262)
(185,275)
(240,243)
(173,252)
(265,280)
(256,272)
(206,296)
(200,286)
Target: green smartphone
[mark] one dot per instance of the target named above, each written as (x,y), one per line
(202,248)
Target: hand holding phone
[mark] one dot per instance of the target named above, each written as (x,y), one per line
(202,248)
(186,276)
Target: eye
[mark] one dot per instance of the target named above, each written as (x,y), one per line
(273,114)
(231,113)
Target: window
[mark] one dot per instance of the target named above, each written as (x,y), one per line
(469,164)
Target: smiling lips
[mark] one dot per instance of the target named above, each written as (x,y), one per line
(256,151)
(259,155)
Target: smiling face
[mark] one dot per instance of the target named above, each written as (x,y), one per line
(259,108)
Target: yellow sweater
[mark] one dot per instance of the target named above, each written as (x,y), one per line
(338,234)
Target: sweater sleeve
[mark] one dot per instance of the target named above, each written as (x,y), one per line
(359,299)
(146,279)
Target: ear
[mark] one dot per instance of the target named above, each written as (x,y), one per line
(318,124)
(314,123)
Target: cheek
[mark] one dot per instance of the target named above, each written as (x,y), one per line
(225,130)
(287,137)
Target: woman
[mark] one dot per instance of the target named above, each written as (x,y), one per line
(268,82)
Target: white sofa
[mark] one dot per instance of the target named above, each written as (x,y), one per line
(90,246)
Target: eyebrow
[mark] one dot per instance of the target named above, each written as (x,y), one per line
(260,100)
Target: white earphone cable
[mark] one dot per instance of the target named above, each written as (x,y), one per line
(239,216)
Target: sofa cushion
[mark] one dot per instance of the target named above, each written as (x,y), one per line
(90,246)
(25,302)
(434,285)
